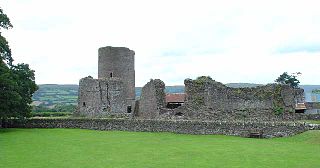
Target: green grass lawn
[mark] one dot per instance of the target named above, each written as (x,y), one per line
(311,121)
(77,148)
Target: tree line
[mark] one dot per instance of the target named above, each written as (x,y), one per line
(56,108)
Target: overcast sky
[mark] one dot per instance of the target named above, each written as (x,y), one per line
(231,41)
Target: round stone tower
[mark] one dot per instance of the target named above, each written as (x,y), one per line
(118,62)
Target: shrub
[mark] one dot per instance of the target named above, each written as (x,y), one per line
(278,110)
(50,114)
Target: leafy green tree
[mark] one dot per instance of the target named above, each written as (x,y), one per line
(17,82)
(5,51)
(287,79)
(26,86)
(9,97)
(316,91)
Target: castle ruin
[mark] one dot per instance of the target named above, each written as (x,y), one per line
(113,95)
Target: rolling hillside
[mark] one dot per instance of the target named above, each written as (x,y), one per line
(52,94)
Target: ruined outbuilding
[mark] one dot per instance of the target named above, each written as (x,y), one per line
(113,93)
(175,100)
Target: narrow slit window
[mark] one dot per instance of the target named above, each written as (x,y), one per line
(111,75)
(129,109)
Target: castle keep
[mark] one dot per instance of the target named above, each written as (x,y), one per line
(113,93)
(118,62)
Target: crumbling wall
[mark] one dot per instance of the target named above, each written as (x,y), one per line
(208,99)
(100,97)
(152,99)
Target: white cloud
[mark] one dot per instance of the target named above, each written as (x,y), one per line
(232,41)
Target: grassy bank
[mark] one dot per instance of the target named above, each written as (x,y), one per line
(88,148)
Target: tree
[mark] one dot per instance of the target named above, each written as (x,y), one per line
(9,97)
(26,86)
(5,51)
(287,79)
(17,82)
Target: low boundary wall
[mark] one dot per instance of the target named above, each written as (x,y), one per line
(244,129)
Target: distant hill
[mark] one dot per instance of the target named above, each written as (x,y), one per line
(242,85)
(169,89)
(52,94)
(311,97)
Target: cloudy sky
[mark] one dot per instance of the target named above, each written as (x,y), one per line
(231,41)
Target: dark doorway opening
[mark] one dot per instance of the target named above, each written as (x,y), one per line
(111,75)
(179,114)
(299,110)
(84,104)
(129,109)
(173,105)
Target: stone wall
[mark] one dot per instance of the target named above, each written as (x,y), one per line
(304,116)
(152,99)
(101,97)
(268,129)
(208,99)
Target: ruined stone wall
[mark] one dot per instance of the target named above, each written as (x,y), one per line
(306,116)
(101,97)
(152,99)
(118,62)
(208,99)
(268,129)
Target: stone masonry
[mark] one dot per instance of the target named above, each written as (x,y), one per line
(118,62)
(113,93)
(207,99)
(267,129)
(152,100)
(100,97)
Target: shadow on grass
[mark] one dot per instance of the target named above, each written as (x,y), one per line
(7,130)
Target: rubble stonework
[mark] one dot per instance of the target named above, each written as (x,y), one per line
(152,99)
(267,129)
(113,93)
(207,99)
(100,97)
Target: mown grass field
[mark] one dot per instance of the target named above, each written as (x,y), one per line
(88,148)
(312,121)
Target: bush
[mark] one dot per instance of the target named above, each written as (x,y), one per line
(51,114)
(278,110)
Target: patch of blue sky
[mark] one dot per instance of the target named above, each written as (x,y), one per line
(310,48)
